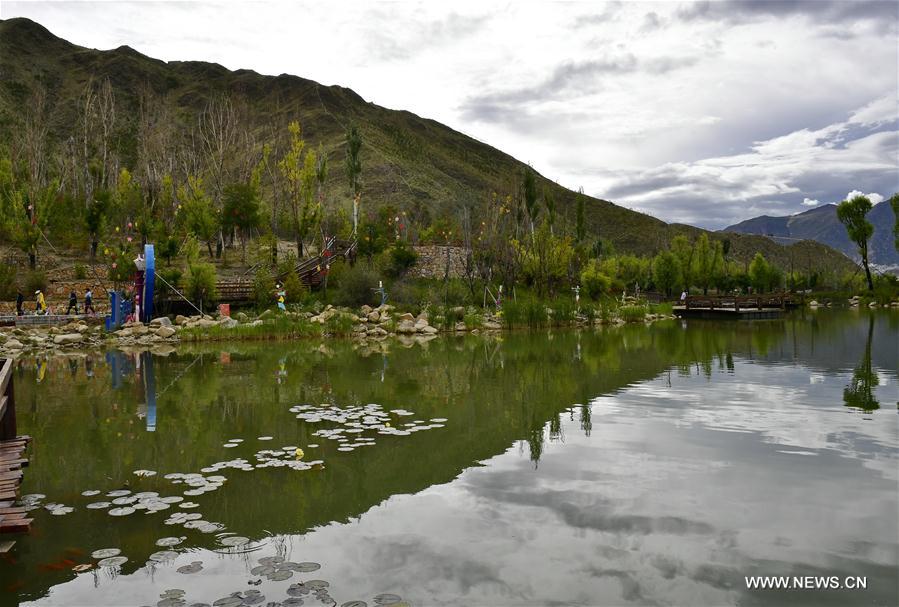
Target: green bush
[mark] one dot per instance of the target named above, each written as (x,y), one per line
(564,311)
(172,276)
(886,288)
(662,308)
(401,258)
(80,271)
(593,281)
(294,290)
(263,287)
(357,287)
(35,280)
(339,324)
(8,284)
(473,319)
(200,283)
(632,313)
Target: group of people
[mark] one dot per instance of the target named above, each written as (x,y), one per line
(41,308)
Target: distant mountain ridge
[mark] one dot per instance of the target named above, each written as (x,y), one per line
(822,225)
(413,163)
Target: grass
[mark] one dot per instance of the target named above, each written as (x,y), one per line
(662,308)
(632,313)
(277,328)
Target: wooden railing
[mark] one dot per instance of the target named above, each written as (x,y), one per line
(742,302)
(7,401)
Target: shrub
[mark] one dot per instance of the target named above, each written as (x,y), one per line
(472,319)
(593,281)
(339,324)
(80,271)
(200,284)
(35,280)
(357,287)
(563,311)
(294,290)
(662,308)
(172,276)
(402,257)
(263,287)
(8,283)
(535,313)
(886,288)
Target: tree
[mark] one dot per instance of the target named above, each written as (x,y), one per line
(594,281)
(666,272)
(354,170)
(580,229)
(683,250)
(197,213)
(240,211)
(852,215)
(95,218)
(299,172)
(860,390)
(760,273)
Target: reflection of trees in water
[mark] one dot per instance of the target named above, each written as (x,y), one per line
(860,391)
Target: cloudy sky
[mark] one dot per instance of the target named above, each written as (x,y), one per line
(705,113)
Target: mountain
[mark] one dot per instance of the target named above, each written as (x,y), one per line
(822,225)
(413,163)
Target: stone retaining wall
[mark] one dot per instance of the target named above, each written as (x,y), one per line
(431,262)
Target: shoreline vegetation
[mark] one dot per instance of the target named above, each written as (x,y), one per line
(363,324)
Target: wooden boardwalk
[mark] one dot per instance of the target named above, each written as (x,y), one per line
(737,307)
(12,458)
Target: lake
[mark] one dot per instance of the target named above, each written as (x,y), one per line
(631,466)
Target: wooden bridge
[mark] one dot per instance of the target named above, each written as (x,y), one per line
(738,306)
(12,449)
(311,272)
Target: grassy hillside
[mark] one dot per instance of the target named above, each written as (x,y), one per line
(410,162)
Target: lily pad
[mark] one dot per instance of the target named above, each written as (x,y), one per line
(113,561)
(145,472)
(293,601)
(317,584)
(308,567)
(163,556)
(262,570)
(280,575)
(82,567)
(188,505)
(118,493)
(124,501)
(228,601)
(90,492)
(169,541)
(98,505)
(265,438)
(234,540)
(105,553)
(194,567)
(271,560)
(387,599)
(252,599)
(125,511)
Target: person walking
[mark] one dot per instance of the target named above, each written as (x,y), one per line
(73,303)
(89,302)
(20,303)
(281,298)
(40,304)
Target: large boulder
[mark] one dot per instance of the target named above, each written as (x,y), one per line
(406,327)
(68,338)
(14,344)
(266,314)
(365,310)
(492,326)
(161,321)
(228,322)
(429,330)
(205,323)
(140,329)
(165,332)
(420,324)
(181,320)
(374,316)
(405,317)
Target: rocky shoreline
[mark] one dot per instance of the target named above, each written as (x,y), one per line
(163,333)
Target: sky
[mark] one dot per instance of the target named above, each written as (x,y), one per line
(705,113)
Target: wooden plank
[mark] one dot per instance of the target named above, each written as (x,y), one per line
(6,546)
(5,375)
(16,526)
(13,510)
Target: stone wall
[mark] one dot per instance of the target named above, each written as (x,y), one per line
(431,262)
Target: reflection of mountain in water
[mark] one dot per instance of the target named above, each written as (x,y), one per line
(494,392)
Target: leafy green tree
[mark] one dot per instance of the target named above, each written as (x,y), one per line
(95,218)
(545,263)
(197,213)
(852,214)
(860,391)
(666,272)
(683,250)
(760,273)
(299,172)
(240,212)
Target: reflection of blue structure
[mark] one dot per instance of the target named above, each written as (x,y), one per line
(119,366)
(149,377)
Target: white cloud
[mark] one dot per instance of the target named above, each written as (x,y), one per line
(809,202)
(691,114)
(874,197)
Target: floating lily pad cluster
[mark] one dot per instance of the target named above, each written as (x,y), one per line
(289,457)
(124,502)
(354,421)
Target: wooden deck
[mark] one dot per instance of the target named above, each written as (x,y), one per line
(12,458)
(737,307)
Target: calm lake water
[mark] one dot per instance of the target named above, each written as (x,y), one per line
(632,466)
